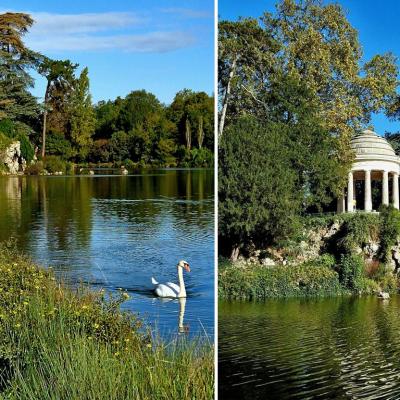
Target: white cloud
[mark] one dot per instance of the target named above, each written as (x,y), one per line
(154,42)
(81,23)
(125,31)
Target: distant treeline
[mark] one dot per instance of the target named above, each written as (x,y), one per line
(135,130)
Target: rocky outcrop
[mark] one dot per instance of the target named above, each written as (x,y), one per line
(316,242)
(12,158)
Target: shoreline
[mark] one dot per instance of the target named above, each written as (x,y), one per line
(313,279)
(46,326)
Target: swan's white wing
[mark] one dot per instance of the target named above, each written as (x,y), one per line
(153,281)
(174,286)
(163,290)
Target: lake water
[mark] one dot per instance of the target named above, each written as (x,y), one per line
(117,232)
(342,348)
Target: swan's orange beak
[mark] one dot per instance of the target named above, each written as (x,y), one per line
(187,267)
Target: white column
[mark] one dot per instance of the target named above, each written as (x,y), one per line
(367,192)
(395,194)
(340,205)
(385,188)
(350,193)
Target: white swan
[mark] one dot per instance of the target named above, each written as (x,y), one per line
(170,289)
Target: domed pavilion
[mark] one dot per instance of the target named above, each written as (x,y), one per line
(375,160)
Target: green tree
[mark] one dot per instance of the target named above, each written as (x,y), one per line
(317,45)
(16,101)
(120,144)
(246,56)
(197,107)
(60,76)
(13,26)
(258,198)
(268,174)
(139,108)
(107,116)
(82,118)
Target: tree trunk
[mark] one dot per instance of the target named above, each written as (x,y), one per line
(226,98)
(45,119)
(234,253)
(188,134)
(200,133)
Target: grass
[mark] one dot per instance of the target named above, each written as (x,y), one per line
(58,343)
(313,279)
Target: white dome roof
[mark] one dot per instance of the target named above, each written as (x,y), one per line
(370,146)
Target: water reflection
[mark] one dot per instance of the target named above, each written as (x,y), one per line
(117,231)
(345,348)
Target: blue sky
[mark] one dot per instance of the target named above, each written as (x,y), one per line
(160,46)
(376,22)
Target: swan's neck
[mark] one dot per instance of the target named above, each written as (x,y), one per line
(182,290)
(182,304)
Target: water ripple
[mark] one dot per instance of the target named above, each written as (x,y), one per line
(319,349)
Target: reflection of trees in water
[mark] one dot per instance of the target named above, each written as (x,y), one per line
(18,212)
(59,208)
(176,195)
(58,211)
(340,343)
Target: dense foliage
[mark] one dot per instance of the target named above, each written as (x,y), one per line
(342,267)
(268,176)
(258,282)
(137,130)
(299,76)
(143,130)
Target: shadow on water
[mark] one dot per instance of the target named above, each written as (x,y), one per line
(117,231)
(343,348)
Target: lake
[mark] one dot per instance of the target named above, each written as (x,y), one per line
(115,231)
(338,348)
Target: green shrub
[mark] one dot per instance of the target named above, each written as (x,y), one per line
(325,260)
(18,131)
(34,169)
(390,230)
(27,150)
(201,158)
(4,142)
(69,168)
(54,164)
(351,271)
(259,282)
(389,283)
(128,164)
(358,229)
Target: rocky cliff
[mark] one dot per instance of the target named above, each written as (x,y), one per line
(12,159)
(332,237)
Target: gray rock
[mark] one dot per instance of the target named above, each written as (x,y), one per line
(13,159)
(268,262)
(383,295)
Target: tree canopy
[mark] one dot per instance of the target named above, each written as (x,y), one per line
(135,130)
(293,88)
